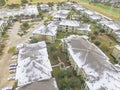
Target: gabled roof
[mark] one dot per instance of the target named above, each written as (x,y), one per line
(68,3)
(1,22)
(31,9)
(69,23)
(33,64)
(100,72)
(85,27)
(41,85)
(116,32)
(117,47)
(110,24)
(61,14)
(113,25)
(44,7)
(50,29)
(89,12)
(96,17)
(78,7)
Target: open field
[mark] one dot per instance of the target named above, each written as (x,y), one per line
(111,12)
(33,1)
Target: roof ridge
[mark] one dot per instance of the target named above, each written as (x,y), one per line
(88,50)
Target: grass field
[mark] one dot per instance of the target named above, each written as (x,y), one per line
(33,1)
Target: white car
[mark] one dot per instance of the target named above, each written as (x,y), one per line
(7,87)
(14,57)
(12,71)
(11,78)
(12,68)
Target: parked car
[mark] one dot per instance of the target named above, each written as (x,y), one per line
(14,57)
(7,88)
(11,78)
(13,65)
(12,71)
(12,68)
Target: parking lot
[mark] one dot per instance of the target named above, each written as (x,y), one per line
(7,61)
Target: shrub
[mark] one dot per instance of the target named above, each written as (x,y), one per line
(1,48)
(97,43)
(62,73)
(102,30)
(70,72)
(64,84)
(34,40)
(5,36)
(33,16)
(53,48)
(12,6)
(96,33)
(104,48)
(24,1)
(55,54)
(93,38)
(24,26)
(74,82)
(15,85)
(12,50)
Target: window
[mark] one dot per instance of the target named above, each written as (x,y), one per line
(66,28)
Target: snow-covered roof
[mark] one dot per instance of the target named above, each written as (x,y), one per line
(61,14)
(44,7)
(63,11)
(7,88)
(96,17)
(14,13)
(117,32)
(89,12)
(31,10)
(78,7)
(69,23)
(100,72)
(50,29)
(113,25)
(41,85)
(110,24)
(117,47)
(103,21)
(1,22)
(2,13)
(68,3)
(84,27)
(33,64)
